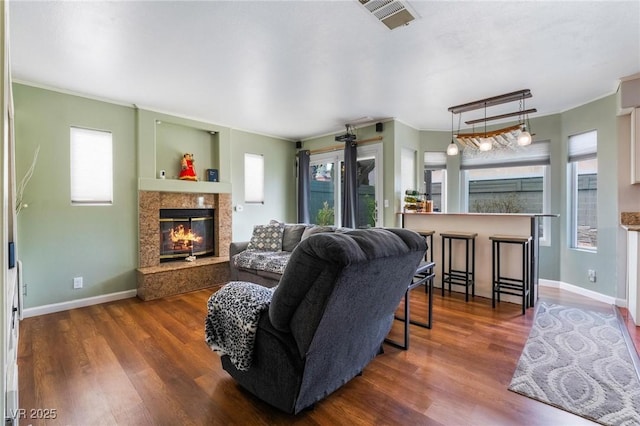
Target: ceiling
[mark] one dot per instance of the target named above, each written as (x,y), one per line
(298,69)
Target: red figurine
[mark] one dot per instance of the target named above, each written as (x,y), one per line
(187,172)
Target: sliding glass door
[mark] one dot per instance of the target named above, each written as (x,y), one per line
(324,200)
(327,186)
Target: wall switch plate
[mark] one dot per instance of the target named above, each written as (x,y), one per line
(77,282)
(592,275)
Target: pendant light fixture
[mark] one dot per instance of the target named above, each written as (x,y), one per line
(509,137)
(524,138)
(452,149)
(485,144)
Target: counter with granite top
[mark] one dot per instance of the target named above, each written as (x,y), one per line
(630,221)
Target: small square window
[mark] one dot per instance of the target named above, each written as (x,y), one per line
(91,167)
(253,178)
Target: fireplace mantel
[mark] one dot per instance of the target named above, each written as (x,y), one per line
(176,185)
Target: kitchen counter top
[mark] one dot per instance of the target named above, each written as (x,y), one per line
(483,214)
(484,225)
(630,221)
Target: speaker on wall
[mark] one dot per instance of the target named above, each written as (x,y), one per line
(379,127)
(298,144)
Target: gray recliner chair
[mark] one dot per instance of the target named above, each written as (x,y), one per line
(329,315)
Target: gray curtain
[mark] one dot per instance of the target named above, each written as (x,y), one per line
(304,186)
(350,200)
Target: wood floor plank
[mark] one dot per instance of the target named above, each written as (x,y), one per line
(146,363)
(124,402)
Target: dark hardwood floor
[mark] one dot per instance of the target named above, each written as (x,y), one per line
(145,363)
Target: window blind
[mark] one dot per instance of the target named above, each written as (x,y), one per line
(583,146)
(253,178)
(435,160)
(91,166)
(536,154)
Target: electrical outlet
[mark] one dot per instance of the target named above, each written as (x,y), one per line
(592,275)
(77,282)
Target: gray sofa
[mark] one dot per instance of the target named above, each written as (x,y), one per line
(264,265)
(328,317)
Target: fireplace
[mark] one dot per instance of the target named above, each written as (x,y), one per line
(157,279)
(186,232)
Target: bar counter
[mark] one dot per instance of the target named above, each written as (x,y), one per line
(485,225)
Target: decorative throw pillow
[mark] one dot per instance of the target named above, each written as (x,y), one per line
(267,237)
(292,236)
(315,230)
(292,233)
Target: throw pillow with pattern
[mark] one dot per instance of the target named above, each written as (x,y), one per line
(267,237)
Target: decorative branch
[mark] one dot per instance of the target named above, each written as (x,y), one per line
(25,181)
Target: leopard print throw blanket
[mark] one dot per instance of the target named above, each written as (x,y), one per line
(232,320)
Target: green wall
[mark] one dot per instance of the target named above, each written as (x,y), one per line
(599,115)
(174,140)
(163,139)
(548,128)
(404,137)
(280,182)
(59,241)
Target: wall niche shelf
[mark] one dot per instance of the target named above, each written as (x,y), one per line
(176,185)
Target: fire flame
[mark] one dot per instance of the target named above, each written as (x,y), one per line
(178,234)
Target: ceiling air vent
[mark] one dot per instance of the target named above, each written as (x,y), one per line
(392,13)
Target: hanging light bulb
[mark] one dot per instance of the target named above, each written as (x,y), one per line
(524,138)
(452,149)
(485,144)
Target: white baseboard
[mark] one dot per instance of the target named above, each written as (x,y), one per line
(583,292)
(78,303)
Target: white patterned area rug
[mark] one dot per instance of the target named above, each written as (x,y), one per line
(583,362)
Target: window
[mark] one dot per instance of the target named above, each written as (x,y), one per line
(325,196)
(435,178)
(408,170)
(583,169)
(508,181)
(91,167)
(325,199)
(253,178)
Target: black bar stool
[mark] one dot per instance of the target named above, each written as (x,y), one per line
(464,277)
(428,236)
(509,285)
(424,276)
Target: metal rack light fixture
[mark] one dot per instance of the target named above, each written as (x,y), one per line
(485,141)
